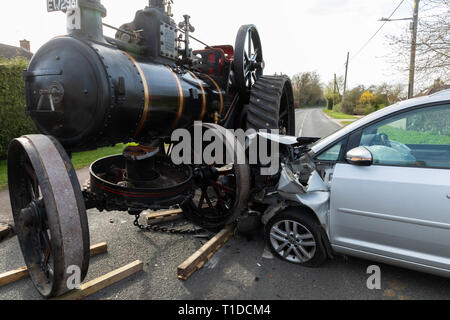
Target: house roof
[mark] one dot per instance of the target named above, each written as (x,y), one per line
(9,52)
(436,87)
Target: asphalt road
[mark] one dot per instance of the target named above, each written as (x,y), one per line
(238,271)
(312,122)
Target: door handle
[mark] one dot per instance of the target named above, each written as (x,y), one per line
(448,196)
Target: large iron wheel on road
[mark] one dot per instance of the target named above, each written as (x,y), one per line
(49,212)
(248,62)
(221,190)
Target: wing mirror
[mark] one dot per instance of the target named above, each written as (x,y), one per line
(360,157)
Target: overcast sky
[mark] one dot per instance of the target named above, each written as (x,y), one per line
(297,35)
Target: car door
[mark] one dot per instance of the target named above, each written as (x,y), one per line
(399,207)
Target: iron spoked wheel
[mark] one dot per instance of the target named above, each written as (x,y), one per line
(296,238)
(248,62)
(49,212)
(220,190)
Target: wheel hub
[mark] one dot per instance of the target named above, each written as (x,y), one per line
(203,175)
(293,241)
(49,212)
(33,215)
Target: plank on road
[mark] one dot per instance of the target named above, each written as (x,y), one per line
(22,273)
(6,232)
(198,259)
(93,286)
(164,216)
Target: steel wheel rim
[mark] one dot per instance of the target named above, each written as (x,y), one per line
(36,243)
(228,183)
(248,59)
(54,213)
(283,122)
(292,241)
(215,198)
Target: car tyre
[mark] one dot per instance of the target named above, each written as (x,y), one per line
(294,236)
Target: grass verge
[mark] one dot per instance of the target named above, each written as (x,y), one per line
(79,160)
(338,115)
(83,159)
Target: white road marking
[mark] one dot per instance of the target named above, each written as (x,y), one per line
(303,123)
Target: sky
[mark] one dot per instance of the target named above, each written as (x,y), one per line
(297,35)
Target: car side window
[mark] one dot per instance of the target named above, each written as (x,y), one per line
(332,154)
(418,138)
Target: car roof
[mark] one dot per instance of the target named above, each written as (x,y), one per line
(440,96)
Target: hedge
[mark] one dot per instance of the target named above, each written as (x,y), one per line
(13,122)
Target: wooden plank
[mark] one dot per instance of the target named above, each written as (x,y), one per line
(198,259)
(99,249)
(164,216)
(102,282)
(13,276)
(22,273)
(6,232)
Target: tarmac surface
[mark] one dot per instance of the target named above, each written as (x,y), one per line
(237,272)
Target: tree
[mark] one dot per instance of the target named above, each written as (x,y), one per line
(307,89)
(329,92)
(367,97)
(351,100)
(389,94)
(432,49)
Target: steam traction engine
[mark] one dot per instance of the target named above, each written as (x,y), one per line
(86,91)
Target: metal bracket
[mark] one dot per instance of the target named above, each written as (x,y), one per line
(55,94)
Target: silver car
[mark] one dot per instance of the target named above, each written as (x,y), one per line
(377,189)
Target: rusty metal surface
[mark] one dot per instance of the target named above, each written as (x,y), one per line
(210,218)
(139,152)
(64,211)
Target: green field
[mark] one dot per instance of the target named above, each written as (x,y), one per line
(84,159)
(79,160)
(338,115)
(413,137)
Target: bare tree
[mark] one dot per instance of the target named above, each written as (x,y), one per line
(433,44)
(307,89)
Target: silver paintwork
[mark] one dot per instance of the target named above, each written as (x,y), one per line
(315,196)
(327,141)
(390,214)
(359,156)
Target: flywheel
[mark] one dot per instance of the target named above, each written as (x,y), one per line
(248,62)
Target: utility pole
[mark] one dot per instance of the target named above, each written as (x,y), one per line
(346,72)
(412,66)
(334,90)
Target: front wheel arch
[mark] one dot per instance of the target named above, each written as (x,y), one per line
(307,211)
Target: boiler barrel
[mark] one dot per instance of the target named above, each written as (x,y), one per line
(90,94)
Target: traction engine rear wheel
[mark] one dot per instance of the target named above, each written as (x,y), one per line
(49,212)
(272,105)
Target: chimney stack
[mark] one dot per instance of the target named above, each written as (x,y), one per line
(25,44)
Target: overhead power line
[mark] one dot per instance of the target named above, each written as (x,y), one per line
(371,38)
